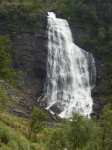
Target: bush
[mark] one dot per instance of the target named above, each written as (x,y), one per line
(5,137)
(37,26)
(33,146)
(23,16)
(36,124)
(3,11)
(22,143)
(13,145)
(4,148)
(5,71)
(15,17)
(15,62)
(3,100)
(25,7)
(31,19)
(15,8)
(13,140)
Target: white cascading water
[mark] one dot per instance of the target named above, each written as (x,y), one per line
(71,71)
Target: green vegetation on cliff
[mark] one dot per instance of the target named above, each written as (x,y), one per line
(5,71)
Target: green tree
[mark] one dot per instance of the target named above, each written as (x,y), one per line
(78,131)
(3,99)
(57,140)
(101,34)
(3,11)
(109,34)
(63,8)
(36,124)
(110,47)
(38,3)
(72,135)
(5,71)
(31,19)
(105,129)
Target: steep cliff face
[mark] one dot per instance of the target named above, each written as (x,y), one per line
(30,46)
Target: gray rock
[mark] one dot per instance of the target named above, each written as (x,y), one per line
(37,35)
(45,35)
(55,109)
(96,107)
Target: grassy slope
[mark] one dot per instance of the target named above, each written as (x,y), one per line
(14,130)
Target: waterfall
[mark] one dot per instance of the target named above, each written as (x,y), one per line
(71,71)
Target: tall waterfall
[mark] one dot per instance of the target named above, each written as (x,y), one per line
(71,71)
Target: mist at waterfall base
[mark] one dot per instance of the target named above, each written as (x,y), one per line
(71,71)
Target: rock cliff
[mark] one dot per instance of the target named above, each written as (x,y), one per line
(30,46)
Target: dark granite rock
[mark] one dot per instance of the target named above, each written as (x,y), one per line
(96,107)
(55,109)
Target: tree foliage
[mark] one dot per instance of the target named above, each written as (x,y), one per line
(83,134)
(36,124)
(73,135)
(5,71)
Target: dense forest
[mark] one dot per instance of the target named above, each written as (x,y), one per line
(80,133)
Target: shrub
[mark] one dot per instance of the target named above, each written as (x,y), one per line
(15,17)
(31,19)
(5,71)
(13,145)
(3,100)
(36,124)
(23,16)
(4,148)
(15,62)
(25,7)
(37,26)
(4,135)
(13,140)
(15,8)
(3,11)
(33,146)
(22,143)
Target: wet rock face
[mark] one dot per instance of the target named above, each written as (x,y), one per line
(56,109)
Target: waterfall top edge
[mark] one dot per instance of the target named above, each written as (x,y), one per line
(51,15)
